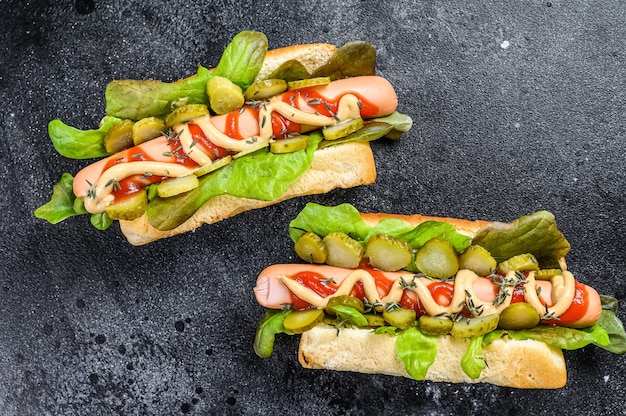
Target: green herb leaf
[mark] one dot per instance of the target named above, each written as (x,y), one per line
(472,361)
(137,99)
(417,351)
(101,221)
(80,144)
(615,331)
(242,59)
(536,233)
(61,204)
(270,325)
(353,59)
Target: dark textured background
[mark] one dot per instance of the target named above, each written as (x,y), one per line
(518,106)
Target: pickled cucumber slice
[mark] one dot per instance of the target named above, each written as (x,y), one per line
(435,325)
(290,145)
(522,262)
(224,95)
(185,113)
(388,253)
(119,137)
(547,274)
(345,300)
(478,260)
(251,149)
(130,207)
(212,167)
(301,321)
(374,319)
(343,251)
(311,248)
(147,129)
(437,258)
(265,89)
(174,186)
(401,318)
(473,327)
(342,129)
(311,82)
(519,315)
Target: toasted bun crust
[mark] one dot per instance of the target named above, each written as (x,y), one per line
(510,363)
(467,227)
(342,166)
(311,56)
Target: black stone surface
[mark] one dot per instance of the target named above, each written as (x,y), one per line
(518,106)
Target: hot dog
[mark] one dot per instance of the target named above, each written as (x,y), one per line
(232,159)
(503,324)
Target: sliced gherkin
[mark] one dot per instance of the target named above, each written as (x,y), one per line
(519,315)
(174,186)
(437,258)
(147,129)
(342,129)
(119,137)
(343,251)
(478,260)
(212,167)
(290,145)
(473,327)
(401,318)
(185,113)
(311,248)
(388,253)
(435,325)
(374,319)
(224,95)
(522,262)
(310,82)
(129,207)
(265,89)
(301,321)
(547,274)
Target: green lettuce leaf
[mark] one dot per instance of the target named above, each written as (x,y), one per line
(80,144)
(271,324)
(261,175)
(557,336)
(346,218)
(62,204)
(137,99)
(612,325)
(417,351)
(349,314)
(242,59)
(536,233)
(472,361)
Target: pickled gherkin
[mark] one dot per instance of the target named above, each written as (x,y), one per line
(224,95)
(478,260)
(311,82)
(374,319)
(119,137)
(301,321)
(175,186)
(523,263)
(473,327)
(401,318)
(342,129)
(265,89)
(147,129)
(212,167)
(343,251)
(437,258)
(345,300)
(130,207)
(311,248)
(519,315)
(185,113)
(435,325)
(388,253)
(289,145)
(547,274)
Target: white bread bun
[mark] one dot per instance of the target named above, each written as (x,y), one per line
(343,166)
(510,363)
